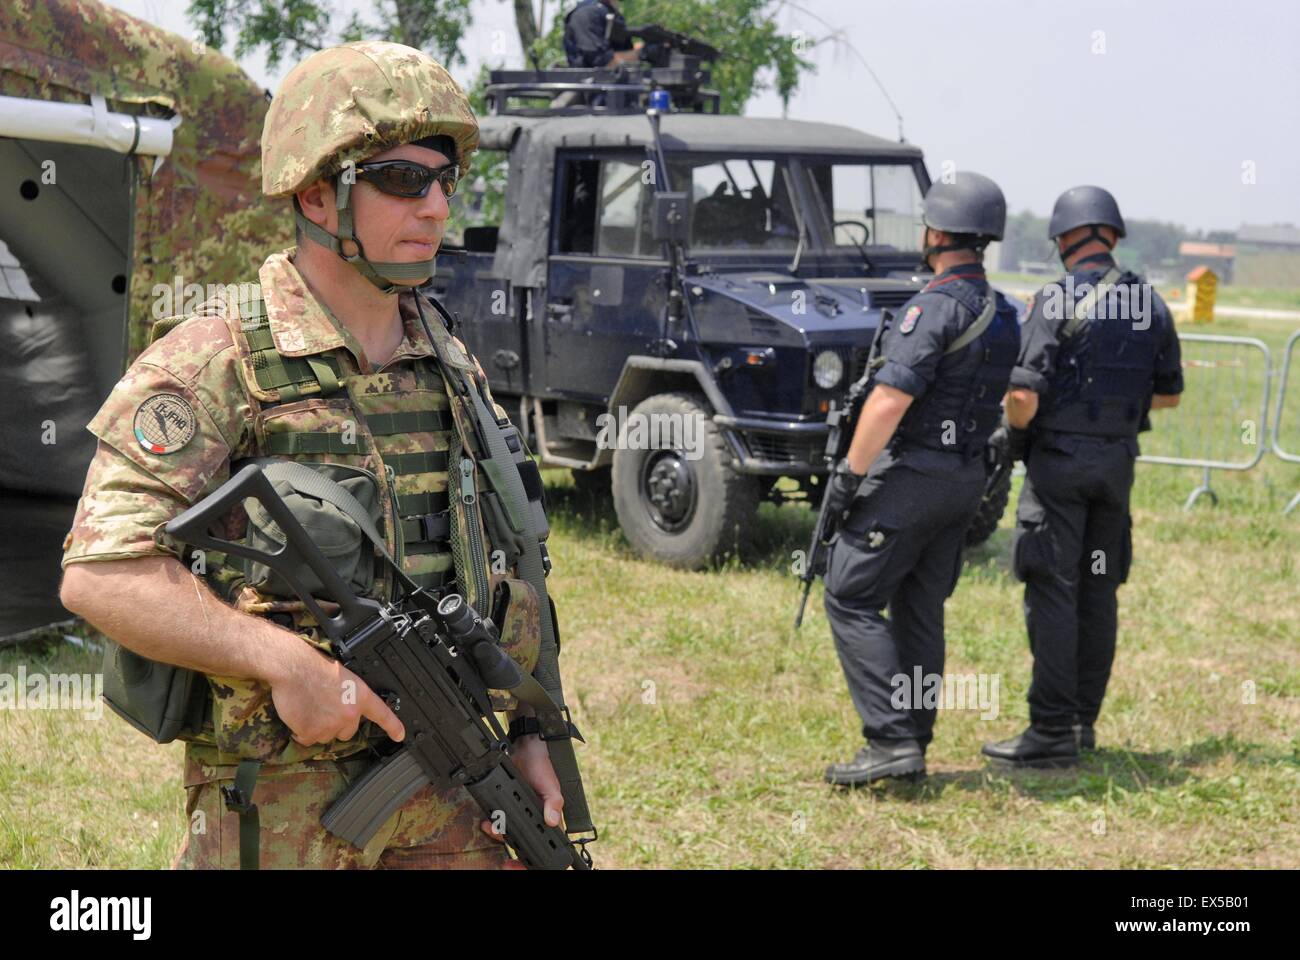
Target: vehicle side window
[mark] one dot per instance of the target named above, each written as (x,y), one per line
(622,221)
(606,209)
(578,214)
(739,204)
(479,204)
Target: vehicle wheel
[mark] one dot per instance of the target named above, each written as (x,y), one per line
(992,506)
(591,484)
(683,512)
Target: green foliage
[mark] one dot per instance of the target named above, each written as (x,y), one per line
(1149,243)
(296,28)
(756,56)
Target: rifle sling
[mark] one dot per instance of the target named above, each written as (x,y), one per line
(509,487)
(976,329)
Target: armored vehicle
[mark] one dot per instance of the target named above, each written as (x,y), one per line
(669,300)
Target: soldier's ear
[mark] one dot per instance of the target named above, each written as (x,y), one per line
(316,201)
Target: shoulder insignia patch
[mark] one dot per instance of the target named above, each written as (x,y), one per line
(164,423)
(909,320)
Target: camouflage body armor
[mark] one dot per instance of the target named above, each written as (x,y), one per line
(399,429)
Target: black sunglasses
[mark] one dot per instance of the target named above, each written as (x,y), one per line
(406,178)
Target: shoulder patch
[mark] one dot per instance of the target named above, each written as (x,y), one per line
(164,423)
(909,320)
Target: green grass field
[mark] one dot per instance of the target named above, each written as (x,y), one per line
(709,720)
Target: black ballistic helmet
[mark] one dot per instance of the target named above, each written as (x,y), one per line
(971,205)
(1084,206)
(1090,207)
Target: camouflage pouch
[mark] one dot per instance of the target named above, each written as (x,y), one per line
(517,615)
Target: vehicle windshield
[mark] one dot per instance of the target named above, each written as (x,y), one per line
(867,204)
(743,204)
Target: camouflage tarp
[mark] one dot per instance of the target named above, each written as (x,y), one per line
(200,216)
(197,215)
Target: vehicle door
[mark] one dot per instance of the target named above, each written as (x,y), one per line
(607,277)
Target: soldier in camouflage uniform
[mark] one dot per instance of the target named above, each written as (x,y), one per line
(334,359)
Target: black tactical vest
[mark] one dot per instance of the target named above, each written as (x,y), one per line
(964,404)
(1105,370)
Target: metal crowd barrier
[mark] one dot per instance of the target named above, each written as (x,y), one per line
(1224,407)
(1288,353)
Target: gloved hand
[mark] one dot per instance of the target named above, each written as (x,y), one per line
(841,487)
(1011,442)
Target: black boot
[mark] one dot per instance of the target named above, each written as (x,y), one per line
(1037,747)
(1087,737)
(875,761)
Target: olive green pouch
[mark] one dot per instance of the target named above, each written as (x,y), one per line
(338,535)
(164,701)
(160,700)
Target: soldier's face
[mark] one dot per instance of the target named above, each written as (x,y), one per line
(401,229)
(396,229)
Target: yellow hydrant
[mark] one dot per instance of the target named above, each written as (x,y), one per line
(1201,287)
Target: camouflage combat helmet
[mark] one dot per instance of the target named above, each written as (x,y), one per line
(347,103)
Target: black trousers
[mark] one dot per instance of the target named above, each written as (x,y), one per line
(900,549)
(1073,547)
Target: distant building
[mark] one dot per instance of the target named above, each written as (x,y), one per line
(1217,256)
(1044,267)
(1267,256)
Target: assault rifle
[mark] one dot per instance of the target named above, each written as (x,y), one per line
(841,421)
(997,462)
(432,661)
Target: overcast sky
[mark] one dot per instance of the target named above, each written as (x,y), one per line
(1173,105)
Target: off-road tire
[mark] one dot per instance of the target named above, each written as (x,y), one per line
(725,501)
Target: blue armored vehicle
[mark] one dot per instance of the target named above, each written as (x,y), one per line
(669,304)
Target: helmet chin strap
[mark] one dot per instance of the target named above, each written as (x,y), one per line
(382,275)
(1093,234)
(928,252)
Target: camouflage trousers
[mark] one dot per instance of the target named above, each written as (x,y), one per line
(437,829)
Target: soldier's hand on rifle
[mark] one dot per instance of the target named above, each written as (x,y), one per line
(1011,442)
(534,762)
(321,701)
(842,486)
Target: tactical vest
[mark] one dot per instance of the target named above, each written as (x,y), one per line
(453,469)
(1105,369)
(396,424)
(964,403)
(397,427)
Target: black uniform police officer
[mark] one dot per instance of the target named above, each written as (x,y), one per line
(941,368)
(595,35)
(1099,351)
